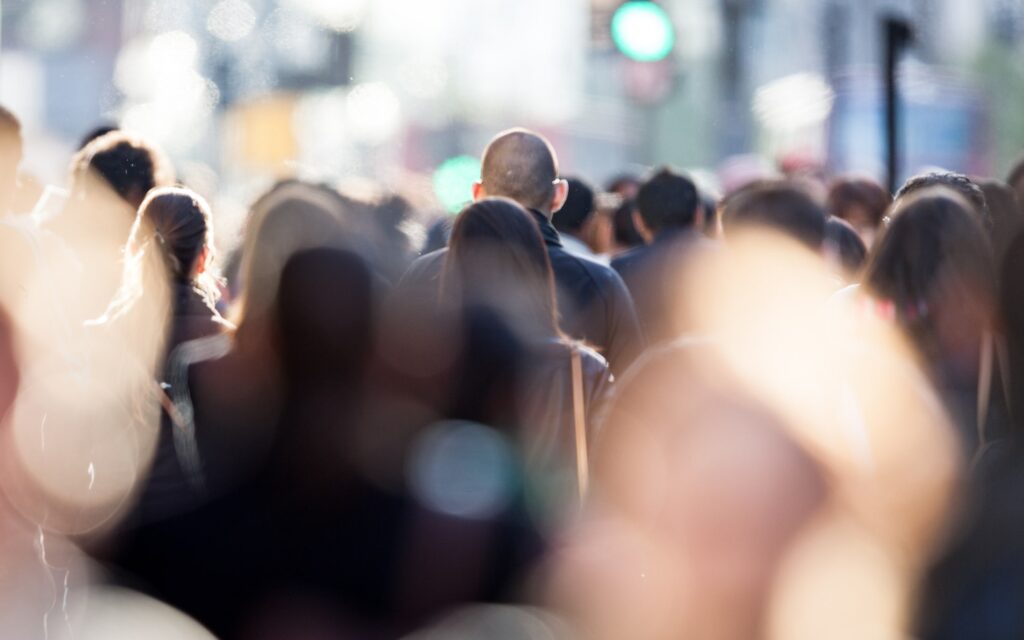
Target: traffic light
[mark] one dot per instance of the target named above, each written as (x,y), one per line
(643,31)
(453,181)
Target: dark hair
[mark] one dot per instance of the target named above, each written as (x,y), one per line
(843,242)
(667,200)
(622,225)
(172,229)
(578,207)
(933,241)
(96,132)
(1007,220)
(128,164)
(496,257)
(958,182)
(777,205)
(520,165)
(10,126)
(846,194)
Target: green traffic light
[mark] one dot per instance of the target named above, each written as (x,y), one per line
(643,31)
(453,181)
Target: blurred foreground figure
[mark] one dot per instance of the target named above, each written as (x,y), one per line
(593,302)
(787,478)
(931,271)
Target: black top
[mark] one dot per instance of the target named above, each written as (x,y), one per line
(593,302)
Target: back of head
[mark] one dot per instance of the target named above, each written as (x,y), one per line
(180,222)
(623,228)
(860,201)
(578,207)
(128,164)
(1007,219)
(779,206)
(520,165)
(497,257)
(668,200)
(292,217)
(325,315)
(844,246)
(934,255)
(961,184)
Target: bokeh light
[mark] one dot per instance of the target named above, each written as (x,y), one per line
(231,20)
(453,181)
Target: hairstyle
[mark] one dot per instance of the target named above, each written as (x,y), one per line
(668,200)
(777,205)
(933,245)
(578,207)
(127,163)
(709,204)
(959,183)
(847,194)
(291,217)
(96,132)
(171,231)
(496,257)
(844,244)
(624,184)
(622,225)
(520,165)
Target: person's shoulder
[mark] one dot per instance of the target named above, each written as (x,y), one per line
(628,258)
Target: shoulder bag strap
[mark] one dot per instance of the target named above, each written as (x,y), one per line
(580,424)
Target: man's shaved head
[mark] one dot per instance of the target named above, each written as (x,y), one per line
(520,165)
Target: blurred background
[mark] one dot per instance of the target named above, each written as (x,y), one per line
(408,91)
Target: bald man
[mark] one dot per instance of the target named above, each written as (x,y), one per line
(593,303)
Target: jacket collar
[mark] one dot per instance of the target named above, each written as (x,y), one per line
(547,230)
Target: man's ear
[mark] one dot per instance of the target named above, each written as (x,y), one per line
(560,195)
(642,228)
(478,191)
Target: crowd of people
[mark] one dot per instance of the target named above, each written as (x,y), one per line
(792,410)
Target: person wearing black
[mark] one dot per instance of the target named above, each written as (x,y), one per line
(670,215)
(593,302)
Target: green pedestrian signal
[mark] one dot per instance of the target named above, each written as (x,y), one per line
(643,31)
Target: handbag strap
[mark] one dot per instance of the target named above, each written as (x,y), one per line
(580,424)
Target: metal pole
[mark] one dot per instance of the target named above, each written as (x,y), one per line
(897,36)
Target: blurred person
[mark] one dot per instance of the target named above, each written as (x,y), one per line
(168,290)
(844,249)
(861,202)
(670,217)
(110,177)
(709,205)
(932,271)
(497,258)
(624,232)
(961,184)
(624,185)
(779,206)
(312,541)
(1011,302)
(574,219)
(593,302)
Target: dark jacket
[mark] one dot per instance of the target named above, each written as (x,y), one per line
(652,275)
(550,428)
(593,302)
(167,488)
